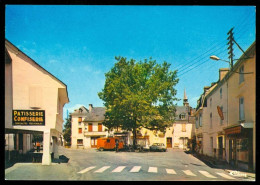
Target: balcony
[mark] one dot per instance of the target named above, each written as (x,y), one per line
(95,133)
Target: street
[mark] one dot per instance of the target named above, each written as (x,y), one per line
(90,164)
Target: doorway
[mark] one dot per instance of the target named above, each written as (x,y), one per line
(93,142)
(169,142)
(220,147)
(232,151)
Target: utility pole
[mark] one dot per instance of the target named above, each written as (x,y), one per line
(230,47)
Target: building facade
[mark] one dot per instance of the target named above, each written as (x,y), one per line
(240,131)
(87,127)
(225,115)
(34,101)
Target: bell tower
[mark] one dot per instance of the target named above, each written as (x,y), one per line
(185,99)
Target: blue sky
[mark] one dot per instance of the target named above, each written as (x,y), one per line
(78,44)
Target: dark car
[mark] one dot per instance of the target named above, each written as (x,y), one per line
(158,147)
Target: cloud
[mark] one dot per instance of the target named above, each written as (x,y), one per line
(53,61)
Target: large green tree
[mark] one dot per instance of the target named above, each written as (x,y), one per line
(139,94)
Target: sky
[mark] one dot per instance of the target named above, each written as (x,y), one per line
(78,43)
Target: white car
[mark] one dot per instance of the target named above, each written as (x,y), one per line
(158,147)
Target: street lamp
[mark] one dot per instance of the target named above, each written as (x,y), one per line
(213,57)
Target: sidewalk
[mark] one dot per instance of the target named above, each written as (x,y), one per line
(225,166)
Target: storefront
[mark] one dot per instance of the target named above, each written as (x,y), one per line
(34,101)
(240,147)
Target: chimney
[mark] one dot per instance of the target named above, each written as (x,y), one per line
(206,88)
(222,73)
(90,107)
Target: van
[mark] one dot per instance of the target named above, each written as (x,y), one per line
(109,143)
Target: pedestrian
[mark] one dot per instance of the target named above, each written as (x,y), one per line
(117,145)
(38,145)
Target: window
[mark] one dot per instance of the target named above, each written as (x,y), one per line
(90,127)
(182,116)
(221,121)
(210,102)
(220,93)
(197,123)
(241,75)
(80,130)
(241,109)
(80,119)
(200,120)
(210,115)
(183,127)
(211,143)
(100,127)
(79,141)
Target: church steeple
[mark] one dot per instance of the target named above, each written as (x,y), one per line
(185,99)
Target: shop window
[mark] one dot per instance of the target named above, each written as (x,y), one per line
(242,150)
(100,127)
(241,75)
(90,127)
(35,96)
(80,130)
(79,141)
(241,109)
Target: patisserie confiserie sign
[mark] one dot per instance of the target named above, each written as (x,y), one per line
(29,117)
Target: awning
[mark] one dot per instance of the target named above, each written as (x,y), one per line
(233,130)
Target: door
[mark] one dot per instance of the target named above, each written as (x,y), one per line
(232,151)
(94,142)
(220,147)
(169,142)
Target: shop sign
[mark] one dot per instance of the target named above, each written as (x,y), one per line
(29,117)
(233,130)
(220,113)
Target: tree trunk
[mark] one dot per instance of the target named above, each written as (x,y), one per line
(134,137)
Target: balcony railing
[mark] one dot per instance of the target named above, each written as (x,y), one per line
(95,133)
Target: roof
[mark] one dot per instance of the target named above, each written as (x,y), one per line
(96,114)
(242,59)
(10,44)
(180,110)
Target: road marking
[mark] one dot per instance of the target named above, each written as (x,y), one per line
(102,169)
(207,174)
(152,169)
(87,169)
(225,176)
(188,172)
(170,171)
(119,169)
(135,169)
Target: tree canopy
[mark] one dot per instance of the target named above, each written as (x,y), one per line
(139,94)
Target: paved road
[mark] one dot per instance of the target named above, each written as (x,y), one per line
(173,165)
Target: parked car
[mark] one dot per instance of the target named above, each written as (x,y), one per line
(158,147)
